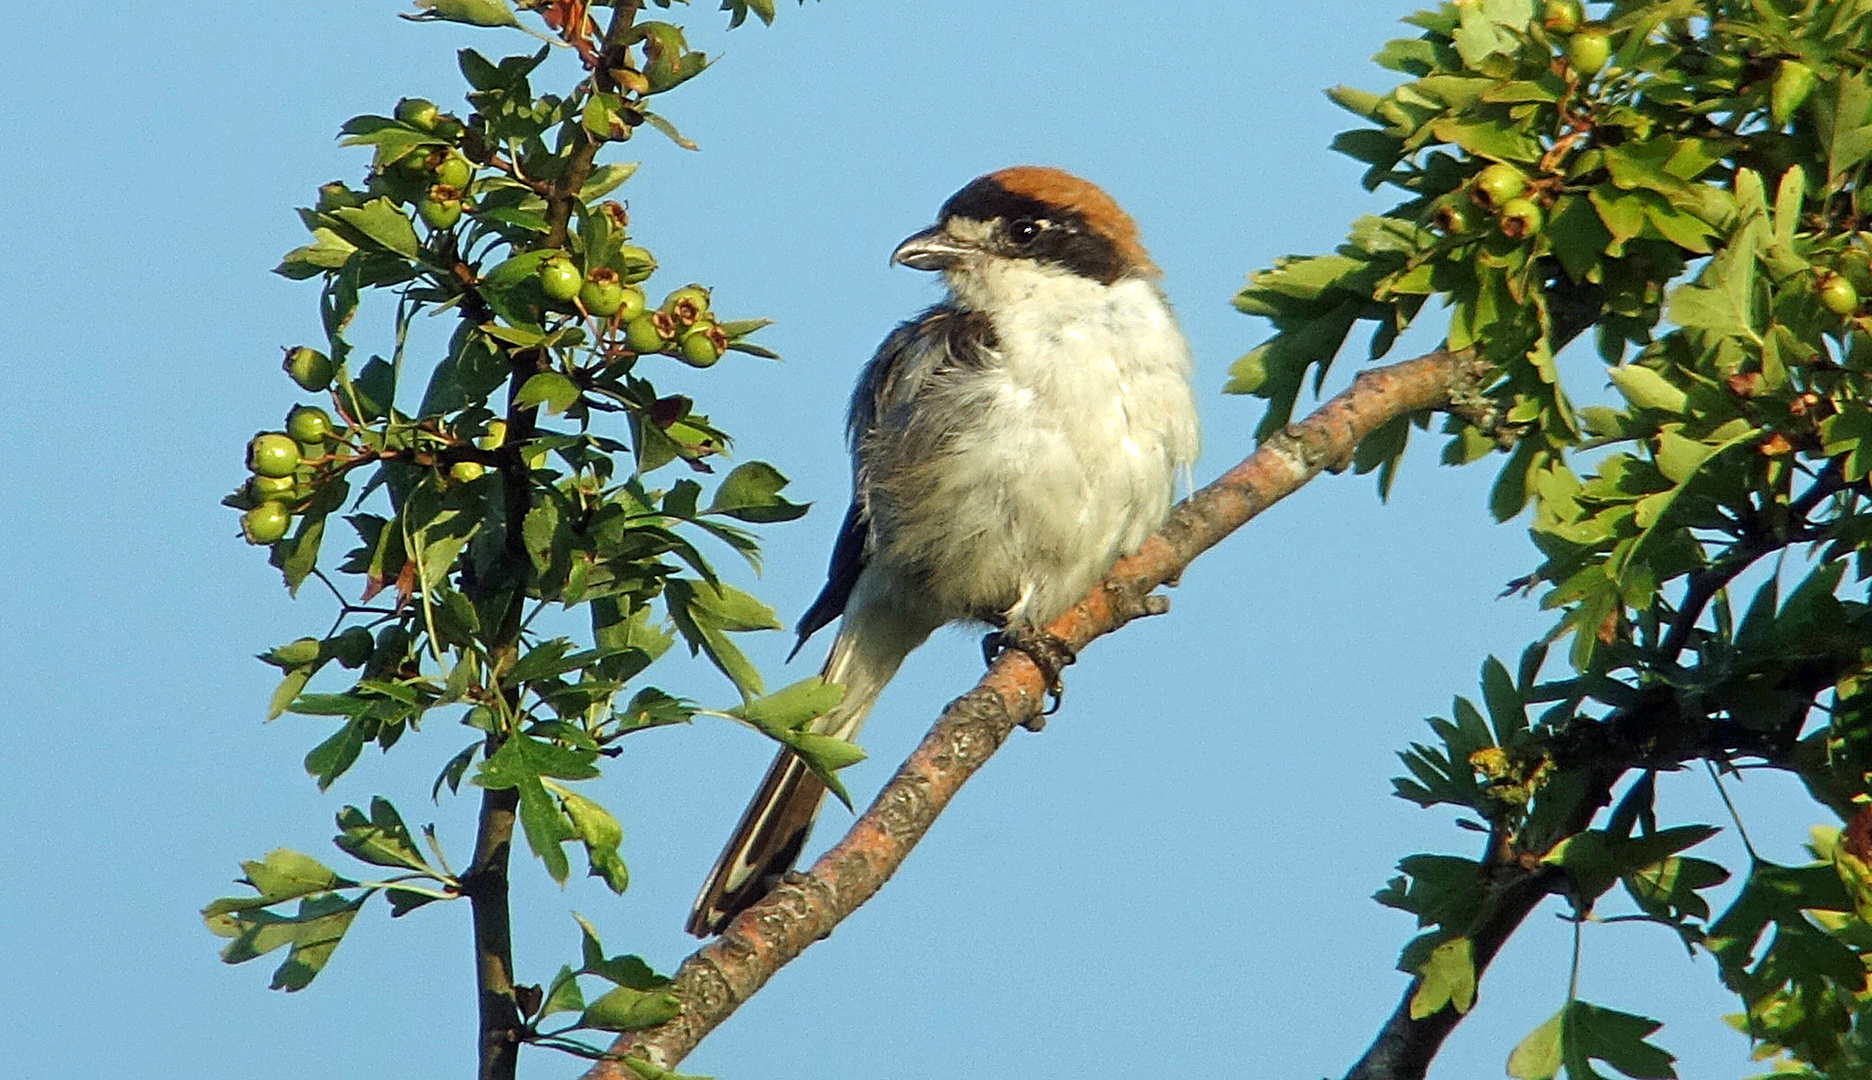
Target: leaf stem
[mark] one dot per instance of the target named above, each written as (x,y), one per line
(1572,982)
(1741,831)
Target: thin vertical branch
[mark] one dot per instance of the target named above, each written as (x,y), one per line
(501,1023)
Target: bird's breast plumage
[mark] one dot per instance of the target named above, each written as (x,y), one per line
(1008,446)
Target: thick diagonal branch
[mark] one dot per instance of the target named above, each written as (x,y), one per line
(719,976)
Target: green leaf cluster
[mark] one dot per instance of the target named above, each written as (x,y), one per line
(528,521)
(1696,207)
(325,901)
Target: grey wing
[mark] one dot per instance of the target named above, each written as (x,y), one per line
(877,384)
(916,353)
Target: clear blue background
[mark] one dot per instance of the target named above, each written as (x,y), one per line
(1173,878)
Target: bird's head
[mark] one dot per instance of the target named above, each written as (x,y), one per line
(1028,221)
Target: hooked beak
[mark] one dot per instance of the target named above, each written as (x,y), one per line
(931,249)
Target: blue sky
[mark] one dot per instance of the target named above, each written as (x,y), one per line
(1173,877)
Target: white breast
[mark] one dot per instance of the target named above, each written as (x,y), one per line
(1061,456)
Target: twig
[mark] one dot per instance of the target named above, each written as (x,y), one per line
(1650,734)
(1704,584)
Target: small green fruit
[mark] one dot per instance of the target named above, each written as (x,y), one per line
(1520,218)
(353,647)
(559,279)
(271,488)
(1588,50)
(454,172)
(416,166)
(1455,217)
(632,305)
(441,208)
(1793,82)
(419,113)
(265,523)
(701,346)
(603,293)
(311,369)
(1838,295)
(336,196)
(1497,184)
(388,653)
(272,454)
(635,263)
(644,334)
(1562,16)
(309,424)
(686,305)
(466,471)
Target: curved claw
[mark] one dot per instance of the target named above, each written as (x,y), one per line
(1048,653)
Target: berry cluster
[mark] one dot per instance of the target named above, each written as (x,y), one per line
(283,464)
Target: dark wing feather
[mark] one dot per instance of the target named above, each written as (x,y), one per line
(848,559)
(939,340)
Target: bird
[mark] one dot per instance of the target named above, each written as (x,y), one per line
(1008,445)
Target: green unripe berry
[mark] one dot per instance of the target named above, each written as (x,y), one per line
(441,208)
(632,305)
(686,305)
(272,454)
(1793,82)
(1588,50)
(635,263)
(336,196)
(466,471)
(265,523)
(1838,295)
(1455,217)
(415,166)
(419,113)
(1562,16)
(602,294)
(1520,218)
(353,647)
(311,369)
(271,488)
(454,172)
(309,424)
(701,346)
(643,334)
(1497,184)
(559,279)
(389,652)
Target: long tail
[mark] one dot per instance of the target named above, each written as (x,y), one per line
(869,647)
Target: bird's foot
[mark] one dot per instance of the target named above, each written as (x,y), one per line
(1048,653)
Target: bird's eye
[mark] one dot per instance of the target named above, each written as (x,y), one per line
(1023,230)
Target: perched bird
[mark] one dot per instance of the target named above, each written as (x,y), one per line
(1008,444)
